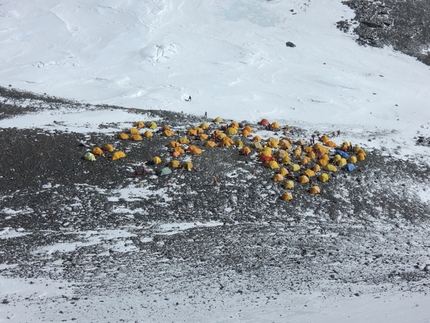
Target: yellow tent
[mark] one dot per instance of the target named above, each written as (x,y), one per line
(265,152)
(204,136)
(309,173)
(280,153)
(256,145)
(272,164)
(361,156)
(184,141)
(90,156)
(294,168)
(245,151)
(323,177)
(134,131)
(311,155)
(336,158)
(324,139)
(136,137)
(286,160)
(278,178)
(156,160)
(303,179)
(204,125)
(275,126)
(152,125)
(283,171)
(285,144)
(352,159)
(289,184)
(140,124)
(305,160)
(287,196)
(322,162)
(165,127)
(308,149)
(123,136)
(173,144)
(108,147)
(342,162)
(234,124)
(315,190)
(316,168)
(239,143)
(174,163)
(217,120)
(330,168)
(272,142)
(192,132)
(188,165)
(331,144)
(297,152)
(97,151)
(199,130)
(178,151)
(226,141)
(168,133)
(193,150)
(245,133)
(118,154)
(148,134)
(210,143)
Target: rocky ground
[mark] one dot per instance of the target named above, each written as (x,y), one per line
(67,219)
(402,25)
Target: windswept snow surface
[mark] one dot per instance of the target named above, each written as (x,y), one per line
(231,57)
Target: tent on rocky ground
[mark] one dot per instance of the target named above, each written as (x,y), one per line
(118,155)
(165,171)
(303,179)
(324,139)
(246,133)
(184,141)
(361,156)
(342,162)
(266,151)
(256,145)
(331,144)
(123,136)
(248,128)
(140,124)
(286,160)
(245,151)
(188,165)
(283,171)
(305,160)
(342,153)
(275,126)
(134,131)
(287,196)
(352,160)
(231,131)
(323,162)
(210,143)
(297,152)
(152,125)
(173,144)
(174,163)
(136,137)
(278,178)
(234,124)
(204,125)
(108,147)
(265,159)
(272,164)
(330,168)
(256,138)
(239,143)
(316,168)
(193,150)
(217,120)
(156,160)
(294,168)
(148,134)
(168,133)
(315,190)
(289,184)
(300,142)
(323,177)
(285,144)
(204,136)
(264,122)
(90,156)
(349,167)
(309,173)
(97,151)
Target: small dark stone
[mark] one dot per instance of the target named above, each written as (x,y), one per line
(290,44)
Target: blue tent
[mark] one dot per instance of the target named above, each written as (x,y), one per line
(349,167)
(342,153)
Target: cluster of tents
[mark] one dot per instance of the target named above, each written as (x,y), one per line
(296,161)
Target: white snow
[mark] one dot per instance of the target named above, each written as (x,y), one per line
(230,56)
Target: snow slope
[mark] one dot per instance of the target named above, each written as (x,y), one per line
(230,56)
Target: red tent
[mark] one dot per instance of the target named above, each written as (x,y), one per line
(265,159)
(264,122)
